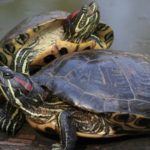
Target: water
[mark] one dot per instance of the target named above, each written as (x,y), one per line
(129,19)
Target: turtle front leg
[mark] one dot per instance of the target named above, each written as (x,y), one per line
(67,132)
(11,119)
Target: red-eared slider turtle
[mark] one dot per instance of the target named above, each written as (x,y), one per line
(57,33)
(47,36)
(90,94)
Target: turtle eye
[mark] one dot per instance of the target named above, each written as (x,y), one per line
(8,75)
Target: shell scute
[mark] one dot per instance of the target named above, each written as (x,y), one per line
(137,72)
(138,106)
(116,106)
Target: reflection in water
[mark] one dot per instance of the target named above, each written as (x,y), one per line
(129,19)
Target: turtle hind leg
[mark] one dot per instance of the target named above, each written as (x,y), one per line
(67,132)
(11,119)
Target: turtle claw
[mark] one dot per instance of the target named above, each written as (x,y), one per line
(56,147)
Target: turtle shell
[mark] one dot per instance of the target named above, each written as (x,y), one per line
(100,81)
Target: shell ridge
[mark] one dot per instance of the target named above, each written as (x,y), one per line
(125,75)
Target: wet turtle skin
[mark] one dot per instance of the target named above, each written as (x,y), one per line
(91,94)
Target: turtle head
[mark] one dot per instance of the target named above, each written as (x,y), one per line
(19,89)
(80,24)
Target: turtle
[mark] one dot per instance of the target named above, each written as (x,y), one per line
(92,94)
(56,33)
(49,36)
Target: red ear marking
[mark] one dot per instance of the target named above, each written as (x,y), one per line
(72,15)
(25,84)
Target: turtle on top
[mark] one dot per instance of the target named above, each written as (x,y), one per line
(91,94)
